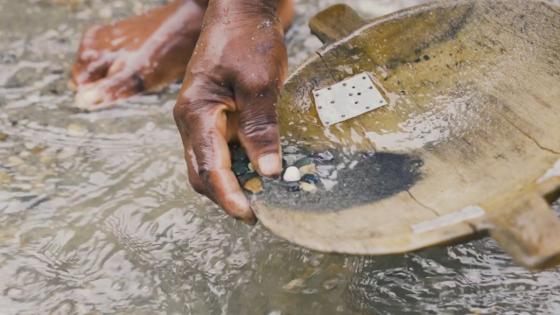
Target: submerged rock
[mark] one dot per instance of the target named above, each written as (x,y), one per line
(5,178)
(76,129)
(294,284)
(322,157)
(3,136)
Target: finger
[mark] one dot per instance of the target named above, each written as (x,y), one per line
(258,130)
(206,128)
(104,93)
(84,73)
(192,166)
(214,161)
(92,62)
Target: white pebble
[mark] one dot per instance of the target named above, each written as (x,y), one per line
(292,174)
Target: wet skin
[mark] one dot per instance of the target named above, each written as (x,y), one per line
(139,54)
(236,65)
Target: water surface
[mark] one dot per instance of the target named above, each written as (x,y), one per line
(96,216)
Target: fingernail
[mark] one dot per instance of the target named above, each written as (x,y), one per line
(270,164)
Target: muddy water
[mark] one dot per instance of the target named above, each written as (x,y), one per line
(96,217)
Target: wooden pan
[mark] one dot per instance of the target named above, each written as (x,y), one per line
(467,145)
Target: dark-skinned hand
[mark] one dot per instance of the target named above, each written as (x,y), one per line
(230,92)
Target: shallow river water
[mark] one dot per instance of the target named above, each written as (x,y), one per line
(96,216)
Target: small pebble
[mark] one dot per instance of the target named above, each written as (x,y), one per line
(38,150)
(240,168)
(303,162)
(3,137)
(14,161)
(308,187)
(5,178)
(246,177)
(46,159)
(310,179)
(251,167)
(294,284)
(330,284)
(292,174)
(238,154)
(308,169)
(292,187)
(254,185)
(323,157)
(76,129)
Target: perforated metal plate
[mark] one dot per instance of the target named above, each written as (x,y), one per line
(348,99)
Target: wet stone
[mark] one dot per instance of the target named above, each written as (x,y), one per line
(15,161)
(238,154)
(246,177)
(254,185)
(330,284)
(240,168)
(292,174)
(3,137)
(293,187)
(303,162)
(38,149)
(322,157)
(307,187)
(294,285)
(5,178)
(76,129)
(308,169)
(310,179)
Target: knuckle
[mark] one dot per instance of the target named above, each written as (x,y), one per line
(187,109)
(261,125)
(261,84)
(262,133)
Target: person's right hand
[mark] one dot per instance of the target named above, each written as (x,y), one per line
(230,92)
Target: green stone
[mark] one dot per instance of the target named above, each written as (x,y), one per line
(303,162)
(240,168)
